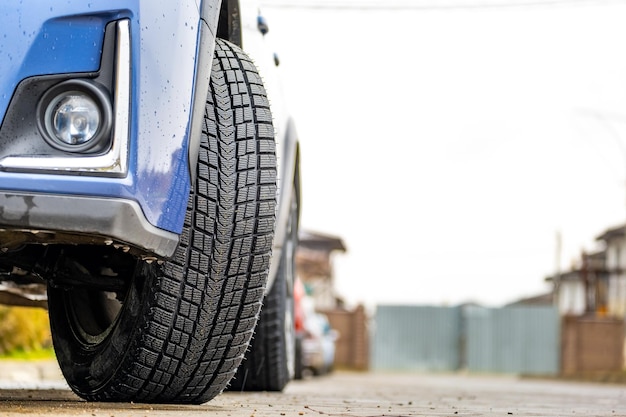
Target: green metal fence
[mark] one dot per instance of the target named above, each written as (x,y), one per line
(519,340)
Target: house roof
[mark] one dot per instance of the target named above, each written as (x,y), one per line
(320,242)
(537,300)
(572,275)
(612,233)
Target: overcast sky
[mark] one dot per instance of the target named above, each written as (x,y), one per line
(449,142)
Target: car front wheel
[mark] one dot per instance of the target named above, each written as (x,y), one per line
(176,331)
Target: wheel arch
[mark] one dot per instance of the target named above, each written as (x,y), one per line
(229,25)
(289,182)
(219,19)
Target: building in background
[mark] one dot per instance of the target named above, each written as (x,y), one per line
(591,299)
(583,290)
(612,288)
(596,286)
(314,266)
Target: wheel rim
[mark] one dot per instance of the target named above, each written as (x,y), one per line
(289,253)
(92,314)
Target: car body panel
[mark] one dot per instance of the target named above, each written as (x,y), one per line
(170,54)
(261,49)
(163,68)
(68,38)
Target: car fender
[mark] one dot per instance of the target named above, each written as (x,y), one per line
(168,65)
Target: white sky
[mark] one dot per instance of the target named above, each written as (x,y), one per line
(448,146)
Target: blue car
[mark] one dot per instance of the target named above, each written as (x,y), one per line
(149,194)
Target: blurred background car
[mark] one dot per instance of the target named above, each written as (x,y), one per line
(315,338)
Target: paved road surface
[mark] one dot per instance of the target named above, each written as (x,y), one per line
(42,393)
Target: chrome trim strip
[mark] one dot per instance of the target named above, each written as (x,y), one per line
(114,162)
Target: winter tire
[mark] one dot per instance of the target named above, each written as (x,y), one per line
(270,363)
(178,330)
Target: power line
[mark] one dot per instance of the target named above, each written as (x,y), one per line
(430,5)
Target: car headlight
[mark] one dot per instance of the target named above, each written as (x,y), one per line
(75,116)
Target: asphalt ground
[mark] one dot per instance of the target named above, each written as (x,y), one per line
(37,389)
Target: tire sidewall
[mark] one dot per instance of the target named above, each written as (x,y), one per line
(89,368)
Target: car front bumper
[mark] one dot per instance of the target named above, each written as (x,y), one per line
(135,193)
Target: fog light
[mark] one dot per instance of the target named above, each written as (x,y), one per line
(75,116)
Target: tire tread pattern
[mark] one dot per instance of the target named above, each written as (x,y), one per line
(265,364)
(202,306)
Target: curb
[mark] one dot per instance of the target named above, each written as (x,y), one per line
(30,371)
